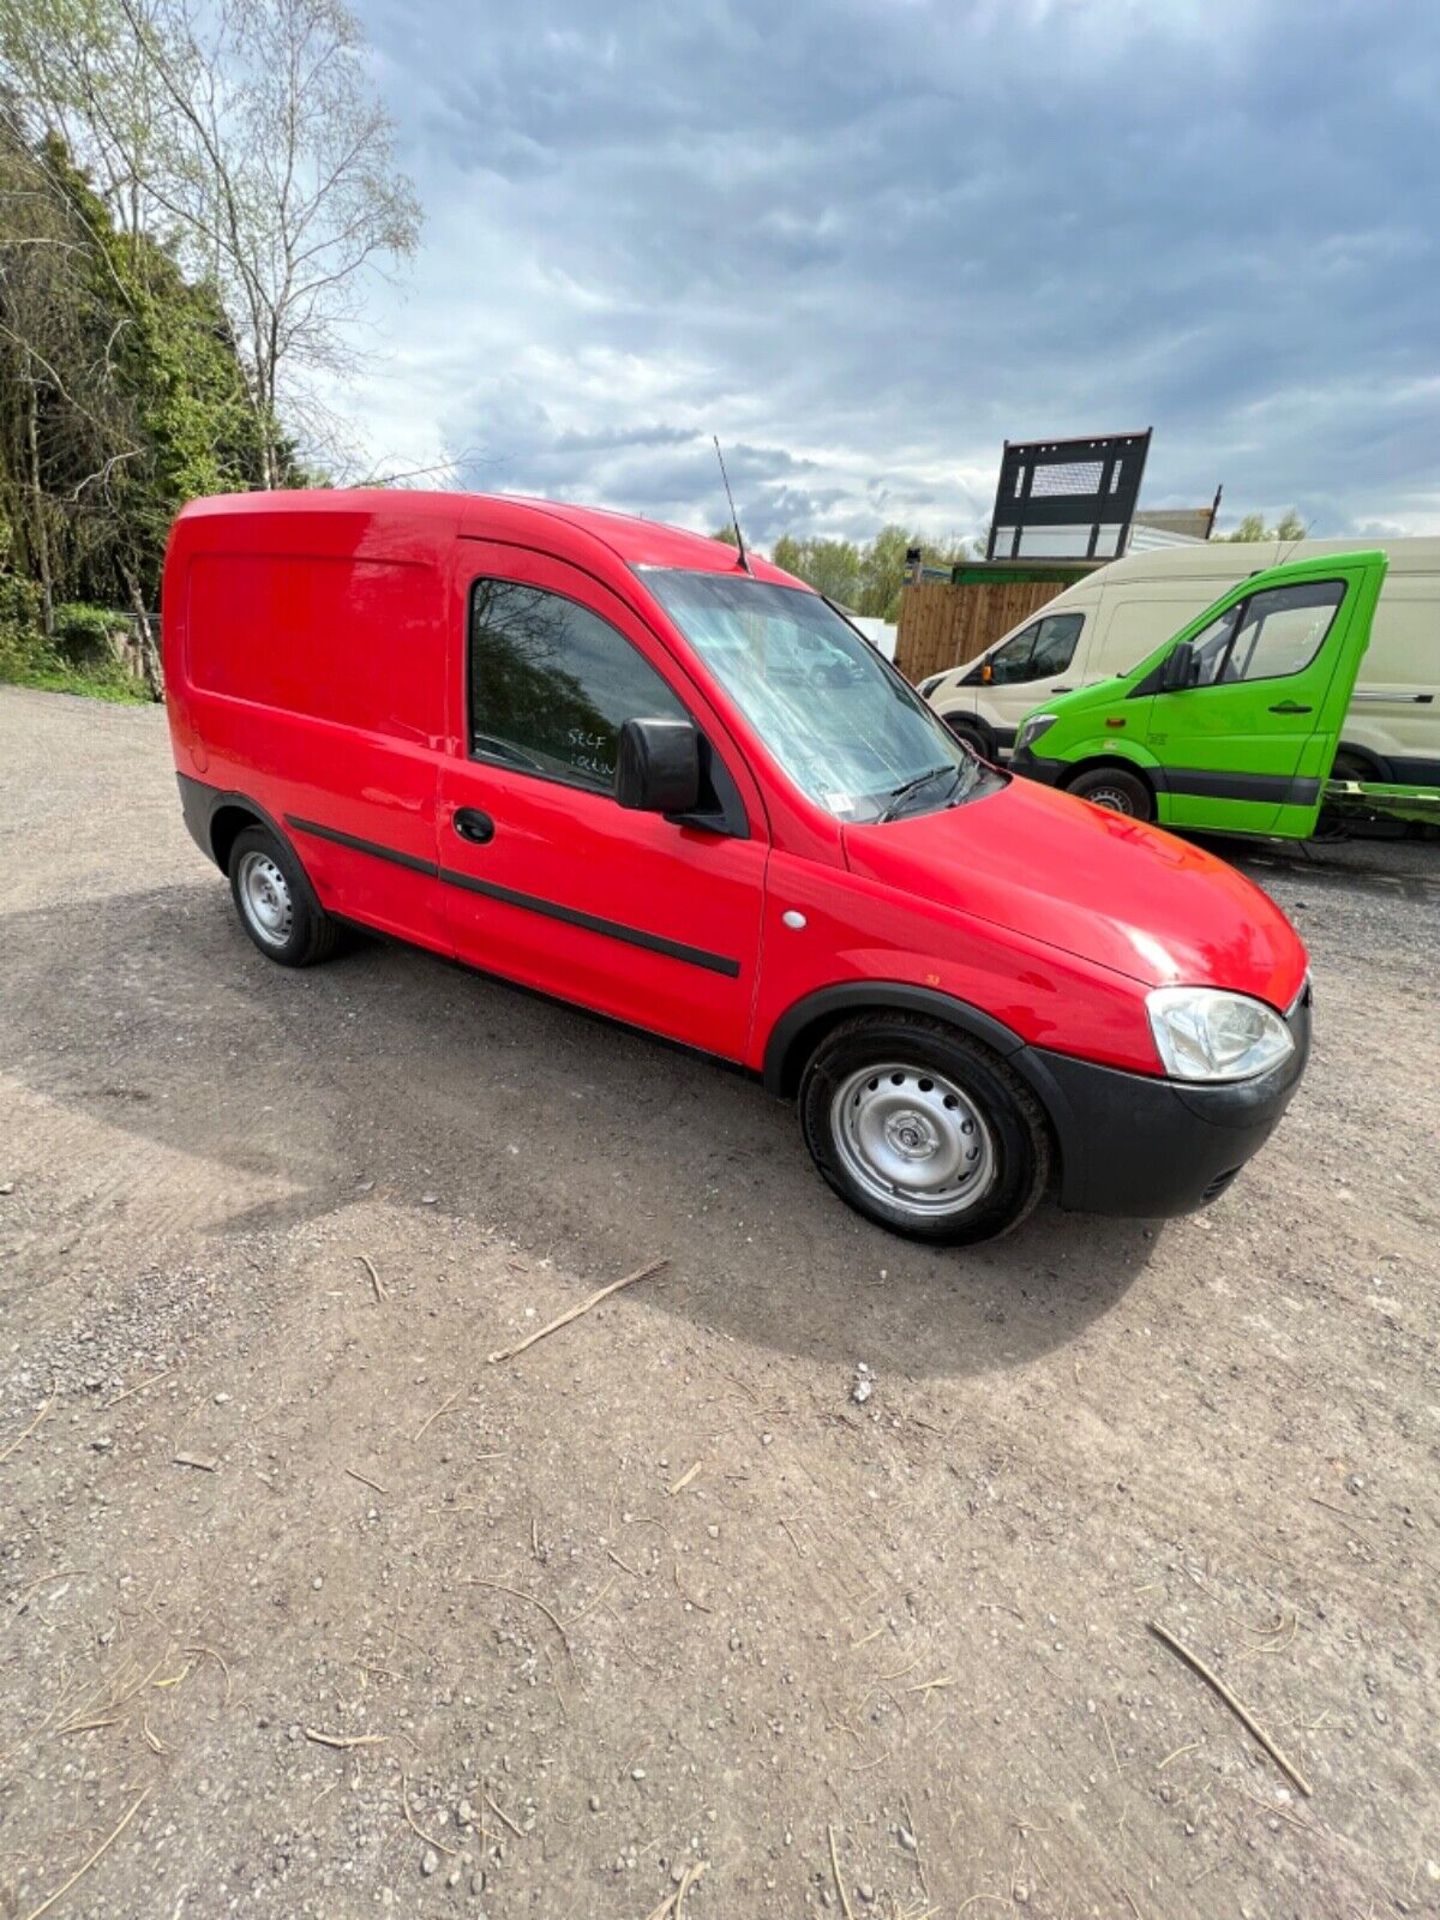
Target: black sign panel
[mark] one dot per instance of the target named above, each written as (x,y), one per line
(1087,487)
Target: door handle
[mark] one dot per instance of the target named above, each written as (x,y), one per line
(1290,706)
(1062,689)
(473,825)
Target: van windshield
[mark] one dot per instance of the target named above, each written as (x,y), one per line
(845,726)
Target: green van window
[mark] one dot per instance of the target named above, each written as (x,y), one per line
(1284,629)
(1269,636)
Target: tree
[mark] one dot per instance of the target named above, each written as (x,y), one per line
(121,393)
(882,572)
(245,133)
(867,579)
(832,567)
(1253,527)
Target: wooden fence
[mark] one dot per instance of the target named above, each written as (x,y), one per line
(943,625)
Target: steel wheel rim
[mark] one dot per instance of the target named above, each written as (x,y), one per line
(914,1140)
(265,899)
(1113,799)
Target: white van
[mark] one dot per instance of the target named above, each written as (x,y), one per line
(1107,623)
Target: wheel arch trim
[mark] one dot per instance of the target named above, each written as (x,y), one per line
(786,1050)
(201,805)
(1114,753)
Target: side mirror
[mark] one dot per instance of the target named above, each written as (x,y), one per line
(1179,669)
(658,769)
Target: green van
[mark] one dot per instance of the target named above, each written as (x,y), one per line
(1232,725)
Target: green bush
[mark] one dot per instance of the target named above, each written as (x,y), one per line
(82,634)
(22,644)
(81,662)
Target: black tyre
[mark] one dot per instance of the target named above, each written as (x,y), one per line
(975,736)
(276,903)
(1350,765)
(1115,788)
(924,1130)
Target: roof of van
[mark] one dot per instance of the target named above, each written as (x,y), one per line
(636,542)
(1233,559)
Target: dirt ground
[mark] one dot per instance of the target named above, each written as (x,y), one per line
(310,1609)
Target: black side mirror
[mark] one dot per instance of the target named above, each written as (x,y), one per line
(658,769)
(1179,669)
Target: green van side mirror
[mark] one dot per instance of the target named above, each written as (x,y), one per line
(1180,669)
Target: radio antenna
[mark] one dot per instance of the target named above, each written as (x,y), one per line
(734,517)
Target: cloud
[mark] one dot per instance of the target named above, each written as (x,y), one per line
(865,241)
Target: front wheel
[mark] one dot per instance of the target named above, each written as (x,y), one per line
(1116,789)
(973,734)
(924,1130)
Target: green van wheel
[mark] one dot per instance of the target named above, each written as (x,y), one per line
(1115,789)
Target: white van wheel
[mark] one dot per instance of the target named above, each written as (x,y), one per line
(979,739)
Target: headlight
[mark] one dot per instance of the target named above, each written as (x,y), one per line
(1031,729)
(927,687)
(1205,1034)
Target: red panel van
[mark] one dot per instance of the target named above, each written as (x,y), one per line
(610,761)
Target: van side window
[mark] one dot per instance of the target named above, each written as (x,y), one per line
(1269,636)
(1043,648)
(1212,648)
(1284,629)
(552,683)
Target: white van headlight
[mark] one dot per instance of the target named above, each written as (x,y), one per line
(1203,1033)
(1031,729)
(927,687)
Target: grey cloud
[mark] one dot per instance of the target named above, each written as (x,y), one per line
(865,243)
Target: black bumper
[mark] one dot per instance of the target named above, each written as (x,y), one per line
(197,803)
(1031,767)
(1132,1144)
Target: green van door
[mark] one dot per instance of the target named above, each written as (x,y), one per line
(1244,710)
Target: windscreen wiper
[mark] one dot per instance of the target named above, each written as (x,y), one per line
(907,787)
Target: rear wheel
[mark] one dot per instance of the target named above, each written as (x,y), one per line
(1116,789)
(923,1130)
(276,903)
(1350,765)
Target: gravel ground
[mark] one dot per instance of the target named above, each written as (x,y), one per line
(311,1610)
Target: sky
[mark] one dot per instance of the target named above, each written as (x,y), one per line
(866,241)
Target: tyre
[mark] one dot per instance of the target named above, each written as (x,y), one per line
(978,738)
(1350,765)
(923,1130)
(276,903)
(1115,788)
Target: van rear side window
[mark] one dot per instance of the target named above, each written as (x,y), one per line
(359,642)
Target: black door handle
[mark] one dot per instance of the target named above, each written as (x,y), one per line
(473,825)
(1290,706)
(1062,689)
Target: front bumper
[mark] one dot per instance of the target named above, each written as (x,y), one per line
(1138,1145)
(1031,767)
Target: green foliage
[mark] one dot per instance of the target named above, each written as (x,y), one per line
(19,605)
(1253,527)
(78,660)
(21,639)
(867,579)
(121,398)
(82,634)
(832,567)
